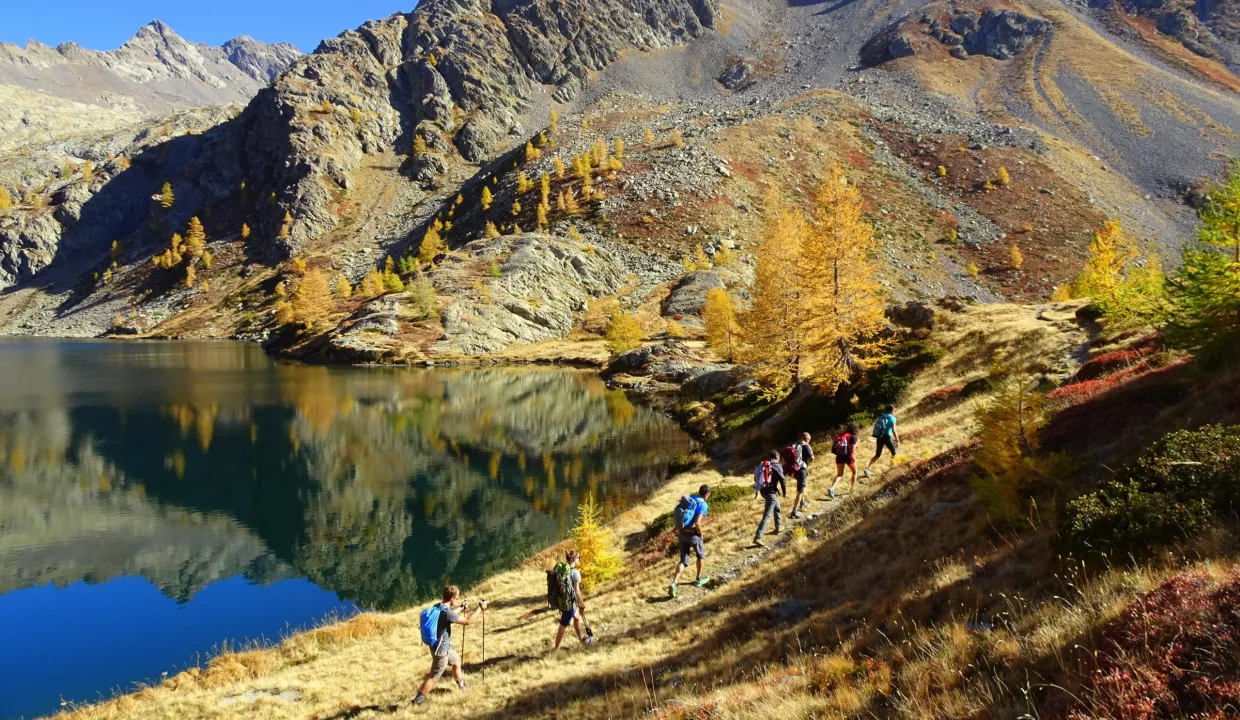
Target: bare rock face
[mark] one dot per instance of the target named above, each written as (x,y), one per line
(456,72)
(542,289)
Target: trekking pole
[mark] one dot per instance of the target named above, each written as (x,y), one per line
(484,647)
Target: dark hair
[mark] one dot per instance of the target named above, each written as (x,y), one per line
(774,454)
(450,592)
(891,408)
(572,556)
(852,429)
(704,491)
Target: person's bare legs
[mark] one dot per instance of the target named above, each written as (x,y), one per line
(457,675)
(428,684)
(699,569)
(839,475)
(577,626)
(559,636)
(680,568)
(853,486)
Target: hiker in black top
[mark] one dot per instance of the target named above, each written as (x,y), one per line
(770,484)
(443,656)
(805,454)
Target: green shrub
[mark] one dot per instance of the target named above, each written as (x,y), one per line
(1186,482)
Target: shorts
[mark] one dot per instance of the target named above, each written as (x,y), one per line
(566,617)
(885,442)
(440,663)
(842,460)
(691,542)
(801,476)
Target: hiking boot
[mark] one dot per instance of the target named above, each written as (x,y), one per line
(461,684)
(419,699)
(671,590)
(758,542)
(701,582)
(865,473)
(795,515)
(588,640)
(831,493)
(804,504)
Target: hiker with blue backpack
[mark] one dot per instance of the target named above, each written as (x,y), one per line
(769,482)
(687,515)
(885,436)
(436,623)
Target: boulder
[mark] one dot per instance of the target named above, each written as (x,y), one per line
(738,75)
(1003,34)
(689,294)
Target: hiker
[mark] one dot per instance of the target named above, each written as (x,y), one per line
(688,516)
(803,455)
(885,435)
(768,481)
(845,450)
(570,604)
(437,623)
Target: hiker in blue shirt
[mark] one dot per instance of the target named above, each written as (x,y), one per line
(689,535)
(443,656)
(885,435)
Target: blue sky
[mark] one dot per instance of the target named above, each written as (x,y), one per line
(105,24)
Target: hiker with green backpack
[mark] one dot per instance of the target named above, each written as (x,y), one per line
(564,594)
(436,623)
(687,518)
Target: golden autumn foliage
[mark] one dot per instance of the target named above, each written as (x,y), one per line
(818,309)
(544,189)
(719,317)
(601,559)
(313,298)
(1123,282)
(1016,258)
(195,239)
(245,231)
(6,200)
(166,197)
(372,284)
(701,261)
(432,246)
(1003,177)
(972,270)
(676,138)
(487,198)
(531,153)
(553,123)
(343,289)
(648,137)
(558,164)
(618,148)
(490,231)
(724,257)
(675,329)
(623,333)
(516,208)
(419,146)
(541,218)
(523,183)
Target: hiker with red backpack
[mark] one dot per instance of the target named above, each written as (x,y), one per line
(567,592)
(687,517)
(798,457)
(436,622)
(844,448)
(768,481)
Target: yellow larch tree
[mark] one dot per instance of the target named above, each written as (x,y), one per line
(166,197)
(6,200)
(531,153)
(372,284)
(419,146)
(245,231)
(843,308)
(771,328)
(313,298)
(558,164)
(719,317)
(432,246)
(541,218)
(487,198)
(490,231)
(1125,283)
(343,288)
(195,239)
(618,150)
(544,189)
(554,123)
(523,183)
(1016,258)
(623,333)
(649,136)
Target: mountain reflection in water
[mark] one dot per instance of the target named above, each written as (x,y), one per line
(191,463)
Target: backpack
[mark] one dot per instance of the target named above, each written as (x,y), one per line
(763,478)
(841,445)
(684,512)
(557,587)
(430,624)
(792,458)
(882,427)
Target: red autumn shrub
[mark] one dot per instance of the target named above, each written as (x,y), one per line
(1108,363)
(1174,653)
(943,395)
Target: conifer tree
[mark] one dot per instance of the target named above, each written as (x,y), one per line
(599,152)
(166,197)
(719,317)
(623,333)
(1017,259)
(195,239)
(531,153)
(190,276)
(487,199)
(558,164)
(286,226)
(516,208)
(560,203)
(523,183)
(649,136)
(544,189)
(844,312)
(570,202)
(516,229)
(541,141)
(422,296)
(207,259)
(724,257)
(554,123)
(419,146)
(490,231)
(772,329)
(245,231)
(432,246)
(6,200)
(392,281)
(618,150)
(372,284)
(542,215)
(343,289)
(298,266)
(574,235)
(313,298)
(1003,177)
(701,261)
(601,559)
(281,289)
(88,171)
(678,140)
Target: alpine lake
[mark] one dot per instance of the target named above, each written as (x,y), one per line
(162,500)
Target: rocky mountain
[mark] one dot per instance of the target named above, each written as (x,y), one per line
(355,151)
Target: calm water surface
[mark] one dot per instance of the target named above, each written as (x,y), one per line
(160,499)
